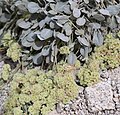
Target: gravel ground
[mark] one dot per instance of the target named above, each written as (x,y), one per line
(100,99)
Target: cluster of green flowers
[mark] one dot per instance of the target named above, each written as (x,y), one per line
(64,50)
(7,39)
(6,69)
(109,53)
(89,74)
(66,88)
(37,92)
(105,57)
(65,67)
(14,51)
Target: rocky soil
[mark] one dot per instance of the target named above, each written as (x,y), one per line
(100,99)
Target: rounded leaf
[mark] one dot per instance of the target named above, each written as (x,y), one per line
(45,50)
(23,24)
(37,45)
(97,38)
(62,37)
(37,59)
(26,43)
(81,21)
(33,7)
(72,58)
(104,12)
(83,41)
(45,34)
(76,12)
(99,17)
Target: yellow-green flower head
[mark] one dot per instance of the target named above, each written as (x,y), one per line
(33,110)
(6,72)
(7,39)
(47,90)
(77,64)
(14,52)
(17,111)
(64,50)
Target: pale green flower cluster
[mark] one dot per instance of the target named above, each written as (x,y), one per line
(106,56)
(36,92)
(109,53)
(5,72)
(64,50)
(61,66)
(14,51)
(89,74)
(66,87)
(7,39)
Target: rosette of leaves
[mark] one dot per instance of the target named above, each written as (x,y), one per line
(43,27)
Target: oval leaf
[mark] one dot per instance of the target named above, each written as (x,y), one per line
(45,50)
(83,41)
(45,34)
(99,17)
(113,23)
(33,7)
(37,45)
(72,58)
(97,38)
(80,21)
(25,25)
(95,25)
(62,37)
(37,59)
(104,12)
(76,12)
(84,52)
(68,29)
(26,43)
(113,10)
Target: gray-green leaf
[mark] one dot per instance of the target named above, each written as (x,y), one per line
(81,21)
(45,34)
(37,59)
(97,38)
(62,37)
(76,12)
(72,58)
(104,12)
(37,45)
(33,7)
(83,41)
(23,24)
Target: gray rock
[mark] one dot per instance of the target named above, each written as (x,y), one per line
(99,97)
